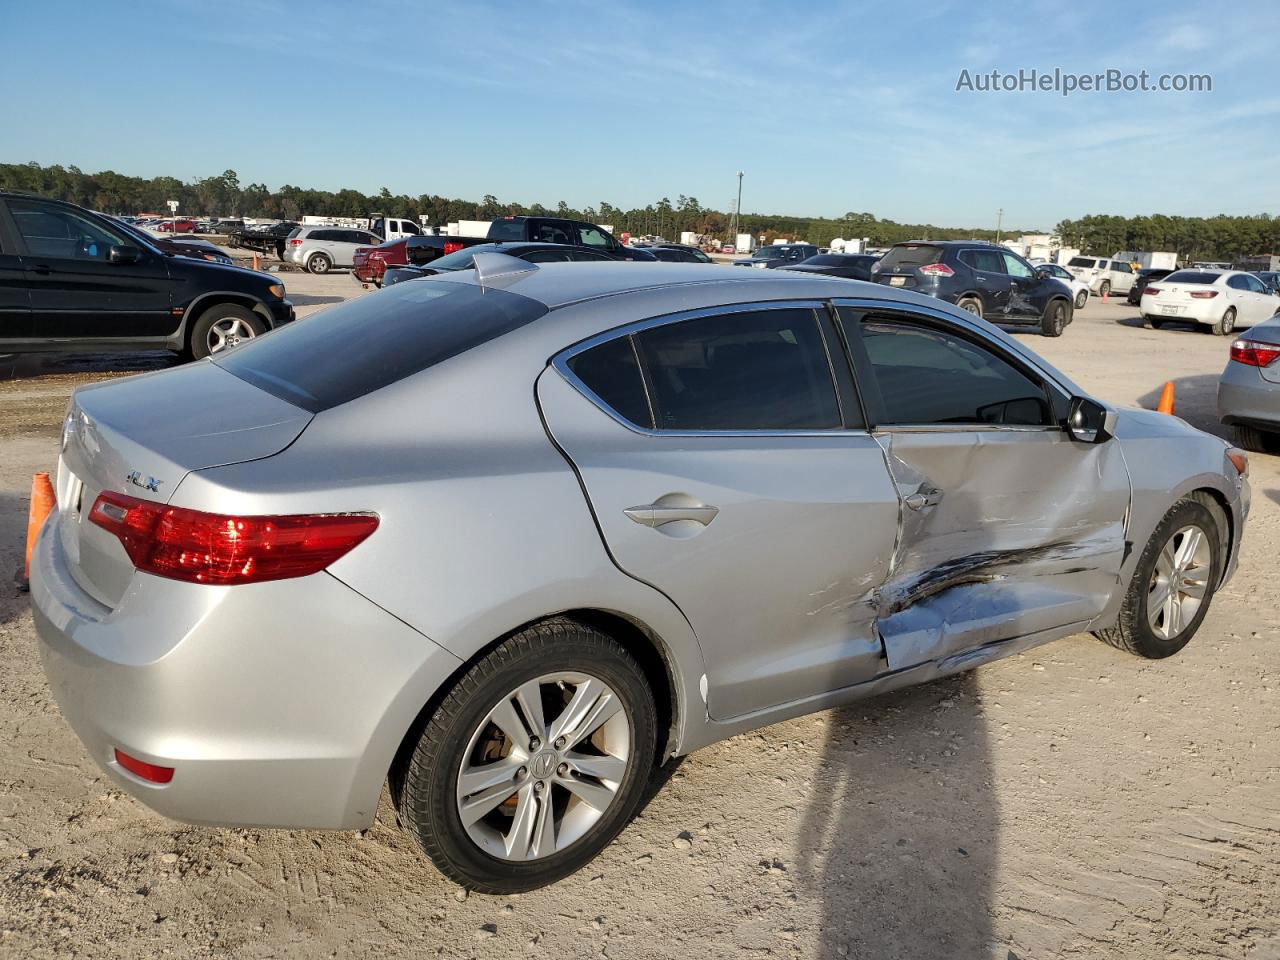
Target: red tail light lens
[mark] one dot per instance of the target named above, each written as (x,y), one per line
(452,247)
(140,768)
(1204,294)
(937,270)
(1255,354)
(1150,290)
(295,242)
(215,548)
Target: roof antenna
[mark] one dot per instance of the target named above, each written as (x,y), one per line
(501,270)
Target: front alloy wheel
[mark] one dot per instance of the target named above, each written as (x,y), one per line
(1179,582)
(229,332)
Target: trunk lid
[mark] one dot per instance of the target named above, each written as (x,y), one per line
(898,267)
(140,437)
(1173,299)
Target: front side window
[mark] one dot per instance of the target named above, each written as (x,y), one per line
(929,376)
(60,232)
(765,370)
(1014,266)
(593,237)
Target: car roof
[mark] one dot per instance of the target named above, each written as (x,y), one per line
(560,284)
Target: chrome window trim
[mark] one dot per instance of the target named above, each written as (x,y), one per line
(561,363)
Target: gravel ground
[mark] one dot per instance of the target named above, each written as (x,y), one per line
(1074,801)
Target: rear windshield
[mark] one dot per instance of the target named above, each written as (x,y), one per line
(1081,262)
(368,343)
(506,230)
(1192,276)
(830,260)
(464,259)
(910,256)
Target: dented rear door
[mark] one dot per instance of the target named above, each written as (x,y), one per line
(1008,527)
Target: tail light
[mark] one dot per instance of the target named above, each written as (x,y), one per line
(452,246)
(1204,294)
(937,270)
(214,548)
(1254,354)
(295,242)
(1150,290)
(140,768)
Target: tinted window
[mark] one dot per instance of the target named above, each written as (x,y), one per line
(1120,266)
(60,232)
(1014,266)
(749,371)
(588,256)
(546,256)
(316,363)
(1058,272)
(506,230)
(549,233)
(1192,276)
(1255,284)
(987,260)
(1081,262)
(910,256)
(611,372)
(928,376)
(321,235)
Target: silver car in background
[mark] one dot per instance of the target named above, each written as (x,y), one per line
(321,249)
(1249,389)
(539,528)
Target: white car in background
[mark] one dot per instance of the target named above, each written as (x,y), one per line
(1102,274)
(1079,289)
(1221,300)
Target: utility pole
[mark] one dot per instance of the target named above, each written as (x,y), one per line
(999,222)
(737,211)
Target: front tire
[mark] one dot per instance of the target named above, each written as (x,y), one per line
(319,263)
(533,762)
(1054,320)
(1081,299)
(1173,583)
(1225,324)
(222,326)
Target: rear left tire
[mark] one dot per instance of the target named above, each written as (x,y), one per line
(970,305)
(533,762)
(1255,440)
(1225,324)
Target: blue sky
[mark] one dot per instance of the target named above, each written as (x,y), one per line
(826,107)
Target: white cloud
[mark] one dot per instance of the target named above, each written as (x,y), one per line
(1185,37)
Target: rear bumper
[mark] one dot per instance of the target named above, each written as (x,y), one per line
(370,271)
(1245,397)
(277,704)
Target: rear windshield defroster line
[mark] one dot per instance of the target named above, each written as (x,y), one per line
(365,344)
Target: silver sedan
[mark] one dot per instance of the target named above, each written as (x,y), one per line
(1249,389)
(538,529)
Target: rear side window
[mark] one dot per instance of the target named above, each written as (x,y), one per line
(764,370)
(929,376)
(506,230)
(612,372)
(987,260)
(910,256)
(318,363)
(1081,262)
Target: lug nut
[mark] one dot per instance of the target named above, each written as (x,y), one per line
(534,743)
(562,769)
(522,773)
(560,742)
(539,787)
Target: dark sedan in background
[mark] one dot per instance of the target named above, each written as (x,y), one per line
(1149,275)
(778,255)
(854,266)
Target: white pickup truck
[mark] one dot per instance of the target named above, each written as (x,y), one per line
(1102,274)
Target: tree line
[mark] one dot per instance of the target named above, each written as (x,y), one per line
(1192,238)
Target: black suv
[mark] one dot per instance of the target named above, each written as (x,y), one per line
(71,279)
(983,278)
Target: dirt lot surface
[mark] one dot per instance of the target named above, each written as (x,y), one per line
(1075,801)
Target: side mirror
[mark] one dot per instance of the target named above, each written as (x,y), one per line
(122,254)
(1088,421)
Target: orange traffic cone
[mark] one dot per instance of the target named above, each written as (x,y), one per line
(1104,295)
(256,262)
(1166,399)
(42,501)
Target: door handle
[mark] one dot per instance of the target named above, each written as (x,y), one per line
(656,514)
(927,498)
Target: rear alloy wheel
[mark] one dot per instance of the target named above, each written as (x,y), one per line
(533,762)
(970,305)
(1081,299)
(221,327)
(319,263)
(1226,324)
(1054,320)
(1173,582)
(1105,288)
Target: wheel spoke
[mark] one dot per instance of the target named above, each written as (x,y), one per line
(1158,600)
(591,706)
(475,779)
(529,697)
(476,806)
(1195,588)
(1191,541)
(507,719)
(1172,615)
(596,796)
(607,767)
(1167,561)
(519,839)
